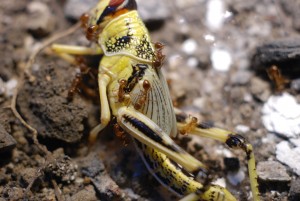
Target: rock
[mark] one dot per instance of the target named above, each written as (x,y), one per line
(272,176)
(281,115)
(75,8)
(221,59)
(7,142)
(234,174)
(294,194)
(28,174)
(289,156)
(153,10)
(260,89)
(63,168)
(41,22)
(295,84)
(241,77)
(291,8)
(277,52)
(94,168)
(189,46)
(43,102)
(148,10)
(86,194)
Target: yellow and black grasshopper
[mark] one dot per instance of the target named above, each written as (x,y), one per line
(133,90)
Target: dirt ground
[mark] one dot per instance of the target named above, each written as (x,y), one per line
(61,166)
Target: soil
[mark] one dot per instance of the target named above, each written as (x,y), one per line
(62,165)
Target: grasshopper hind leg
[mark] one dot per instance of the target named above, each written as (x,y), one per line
(232,140)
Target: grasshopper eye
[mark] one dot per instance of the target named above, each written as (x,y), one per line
(117,5)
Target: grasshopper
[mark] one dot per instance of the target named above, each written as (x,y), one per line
(134,92)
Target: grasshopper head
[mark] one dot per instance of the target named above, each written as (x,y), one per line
(106,10)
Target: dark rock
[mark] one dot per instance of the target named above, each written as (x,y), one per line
(41,21)
(93,167)
(86,194)
(272,176)
(43,102)
(277,51)
(294,194)
(7,142)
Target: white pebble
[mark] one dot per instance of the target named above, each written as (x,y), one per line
(10,87)
(215,14)
(209,37)
(281,114)
(236,177)
(189,46)
(242,128)
(192,62)
(220,182)
(289,156)
(221,59)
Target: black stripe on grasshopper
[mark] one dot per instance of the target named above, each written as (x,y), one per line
(116,6)
(150,133)
(137,74)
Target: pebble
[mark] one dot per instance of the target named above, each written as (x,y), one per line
(189,46)
(41,22)
(281,114)
(235,175)
(215,14)
(294,194)
(289,156)
(241,77)
(88,193)
(7,142)
(75,8)
(148,10)
(272,171)
(272,176)
(27,175)
(221,59)
(260,89)
(153,10)
(236,178)
(295,84)
(242,128)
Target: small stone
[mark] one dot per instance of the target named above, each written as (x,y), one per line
(215,14)
(221,59)
(28,174)
(281,114)
(272,176)
(86,194)
(234,174)
(93,167)
(241,77)
(272,171)
(242,128)
(260,89)
(75,8)
(294,194)
(289,156)
(153,10)
(41,22)
(295,84)
(189,46)
(7,142)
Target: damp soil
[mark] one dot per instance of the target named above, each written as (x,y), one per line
(67,167)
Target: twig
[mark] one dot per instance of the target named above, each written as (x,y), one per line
(46,43)
(57,191)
